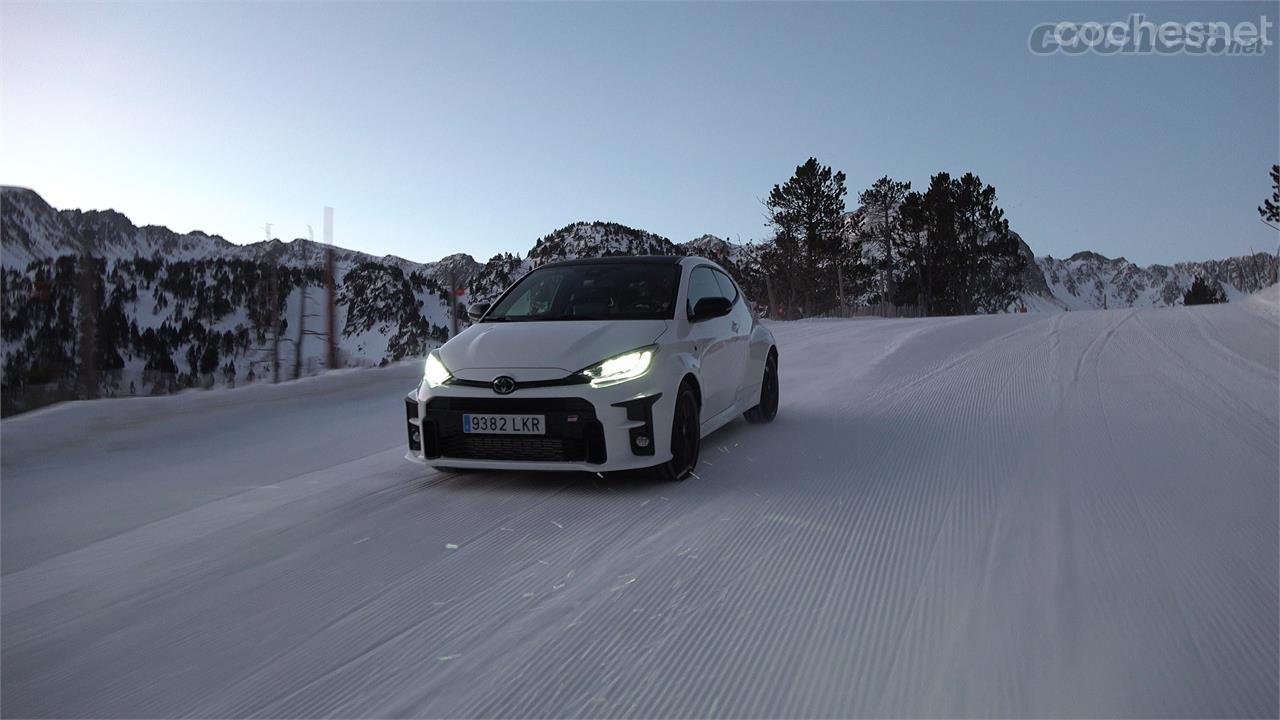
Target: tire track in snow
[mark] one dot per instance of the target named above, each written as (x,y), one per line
(1264,432)
(1205,328)
(394,607)
(1160,572)
(940,522)
(1222,607)
(967,516)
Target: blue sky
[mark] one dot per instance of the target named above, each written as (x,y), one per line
(436,128)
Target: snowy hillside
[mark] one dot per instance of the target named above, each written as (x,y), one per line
(175,311)
(1042,515)
(181,310)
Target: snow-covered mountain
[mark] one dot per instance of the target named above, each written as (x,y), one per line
(580,239)
(1089,281)
(33,230)
(602,239)
(177,310)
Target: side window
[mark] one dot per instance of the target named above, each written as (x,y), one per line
(702,284)
(727,288)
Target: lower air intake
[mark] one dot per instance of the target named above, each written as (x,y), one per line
(508,447)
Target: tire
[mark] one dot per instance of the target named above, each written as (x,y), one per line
(767,410)
(686,437)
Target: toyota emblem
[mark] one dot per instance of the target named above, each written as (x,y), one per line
(504,385)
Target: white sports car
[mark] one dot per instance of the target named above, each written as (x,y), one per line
(599,365)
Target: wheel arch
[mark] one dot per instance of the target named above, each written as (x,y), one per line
(691,380)
(762,345)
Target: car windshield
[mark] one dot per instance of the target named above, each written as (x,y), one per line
(604,291)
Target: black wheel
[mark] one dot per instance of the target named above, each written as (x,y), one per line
(767,410)
(686,437)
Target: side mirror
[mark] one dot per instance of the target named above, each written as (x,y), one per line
(711,307)
(477,311)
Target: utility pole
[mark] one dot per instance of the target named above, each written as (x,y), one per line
(274,314)
(87,345)
(840,290)
(330,327)
(302,306)
(453,304)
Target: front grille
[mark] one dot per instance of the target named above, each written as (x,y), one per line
(573,432)
(575,379)
(514,447)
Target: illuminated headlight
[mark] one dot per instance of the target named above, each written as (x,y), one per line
(622,368)
(435,373)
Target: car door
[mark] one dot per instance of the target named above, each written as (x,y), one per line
(738,346)
(711,345)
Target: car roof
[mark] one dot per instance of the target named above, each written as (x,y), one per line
(619,260)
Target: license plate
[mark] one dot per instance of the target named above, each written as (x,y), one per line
(504,424)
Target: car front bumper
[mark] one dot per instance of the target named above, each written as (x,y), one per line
(623,427)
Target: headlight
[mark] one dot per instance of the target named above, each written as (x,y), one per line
(622,368)
(435,373)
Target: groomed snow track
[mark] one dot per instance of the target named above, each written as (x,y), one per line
(1041,515)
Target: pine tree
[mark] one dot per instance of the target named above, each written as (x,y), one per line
(1202,293)
(811,242)
(780,261)
(995,262)
(878,228)
(958,253)
(926,225)
(1270,208)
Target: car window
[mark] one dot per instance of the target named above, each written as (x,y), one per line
(535,297)
(727,288)
(604,291)
(702,284)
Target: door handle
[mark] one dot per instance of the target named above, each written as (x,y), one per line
(734,326)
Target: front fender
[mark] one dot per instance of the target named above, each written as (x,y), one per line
(684,362)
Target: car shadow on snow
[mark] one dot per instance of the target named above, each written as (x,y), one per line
(799,446)
(539,482)
(736,435)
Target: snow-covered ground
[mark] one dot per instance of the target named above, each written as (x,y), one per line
(1069,514)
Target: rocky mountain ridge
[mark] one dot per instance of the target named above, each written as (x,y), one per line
(177,310)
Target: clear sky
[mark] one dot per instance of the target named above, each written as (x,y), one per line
(436,128)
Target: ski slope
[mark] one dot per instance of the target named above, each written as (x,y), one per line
(1069,514)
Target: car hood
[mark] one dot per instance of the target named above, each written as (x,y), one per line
(544,349)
